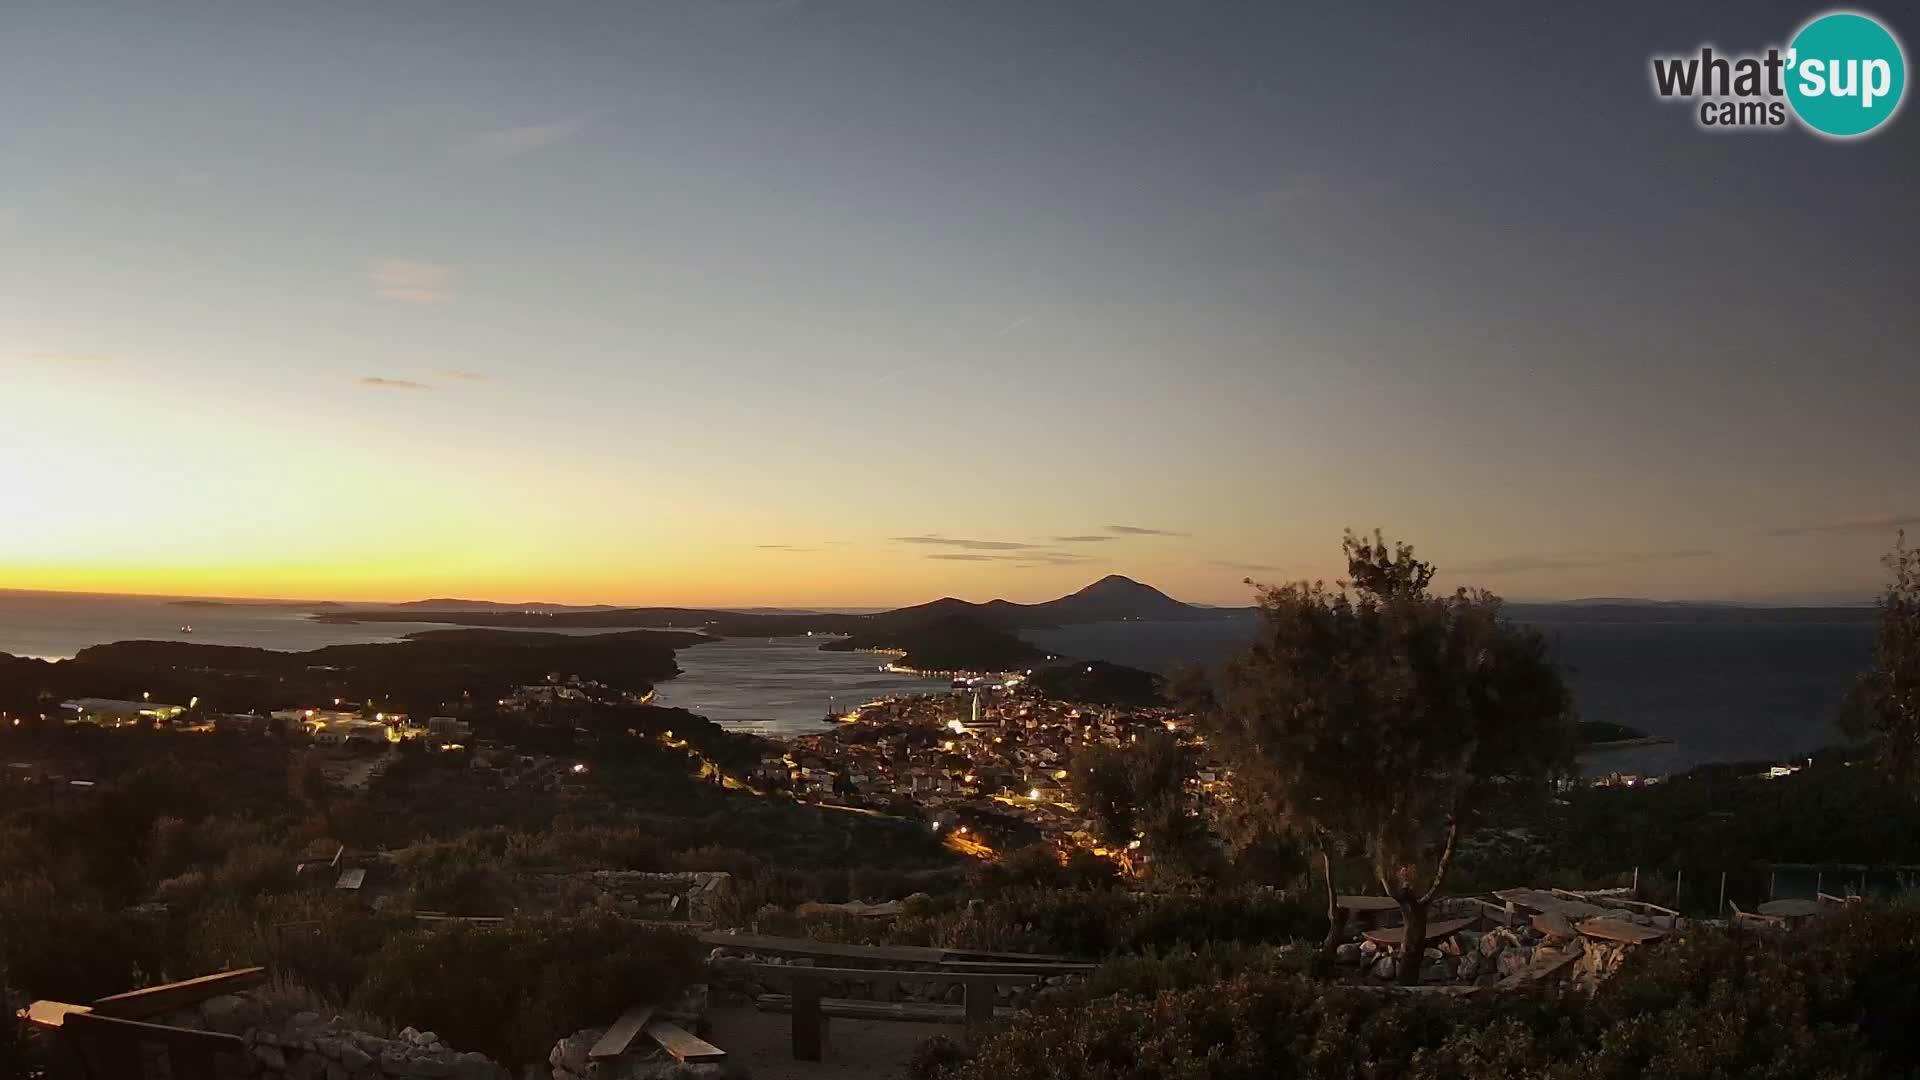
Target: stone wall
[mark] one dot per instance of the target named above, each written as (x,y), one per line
(642,892)
(1483,958)
(308,1046)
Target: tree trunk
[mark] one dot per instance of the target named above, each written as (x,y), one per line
(1336,915)
(1413,956)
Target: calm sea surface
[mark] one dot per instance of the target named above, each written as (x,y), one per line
(1744,690)
(55,626)
(1722,691)
(780,686)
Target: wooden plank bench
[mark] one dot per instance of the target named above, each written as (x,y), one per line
(682,1045)
(108,1038)
(1620,930)
(621,1034)
(110,1048)
(808,1006)
(1436,931)
(991,967)
(1534,900)
(154,1000)
(824,950)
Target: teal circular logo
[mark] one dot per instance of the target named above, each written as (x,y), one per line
(1846,74)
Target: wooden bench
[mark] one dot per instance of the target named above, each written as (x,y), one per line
(1755,921)
(1367,912)
(1621,931)
(1439,930)
(810,1009)
(109,1039)
(679,1043)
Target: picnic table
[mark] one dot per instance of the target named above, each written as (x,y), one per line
(1793,910)
(1368,912)
(1438,930)
(1547,903)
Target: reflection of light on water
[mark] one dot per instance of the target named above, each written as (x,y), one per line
(782,686)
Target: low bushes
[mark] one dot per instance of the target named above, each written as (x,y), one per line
(1074,922)
(510,991)
(1835,1001)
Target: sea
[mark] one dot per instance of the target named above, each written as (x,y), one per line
(1765,686)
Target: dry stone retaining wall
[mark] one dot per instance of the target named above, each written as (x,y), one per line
(307,1046)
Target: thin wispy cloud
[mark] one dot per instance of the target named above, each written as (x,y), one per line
(466,376)
(411,281)
(934,540)
(1138,530)
(504,144)
(1012,326)
(1528,564)
(67,359)
(783,547)
(378,382)
(1665,556)
(1244,567)
(1849,526)
(1096,539)
(1026,559)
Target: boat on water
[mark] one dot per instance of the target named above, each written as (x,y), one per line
(186,629)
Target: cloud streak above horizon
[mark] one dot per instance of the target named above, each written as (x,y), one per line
(507,143)
(1850,526)
(411,281)
(1528,564)
(379,382)
(1139,530)
(935,540)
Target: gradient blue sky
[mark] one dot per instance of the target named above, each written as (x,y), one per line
(810,301)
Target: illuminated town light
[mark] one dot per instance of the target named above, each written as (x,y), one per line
(1033,793)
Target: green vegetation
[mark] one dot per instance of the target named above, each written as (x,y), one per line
(1835,1001)
(1097,682)
(950,643)
(1084,922)
(1138,795)
(431,672)
(1886,702)
(1386,718)
(509,991)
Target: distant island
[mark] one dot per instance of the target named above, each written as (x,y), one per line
(948,634)
(414,675)
(305,605)
(1601,735)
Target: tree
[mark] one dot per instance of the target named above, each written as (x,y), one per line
(1885,704)
(1139,793)
(1382,716)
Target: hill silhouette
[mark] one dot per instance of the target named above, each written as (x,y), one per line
(1112,598)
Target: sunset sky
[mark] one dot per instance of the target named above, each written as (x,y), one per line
(856,303)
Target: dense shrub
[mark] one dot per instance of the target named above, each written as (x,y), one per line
(460,877)
(1074,922)
(1835,1001)
(511,990)
(323,941)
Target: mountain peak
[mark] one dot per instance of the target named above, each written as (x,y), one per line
(1118,585)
